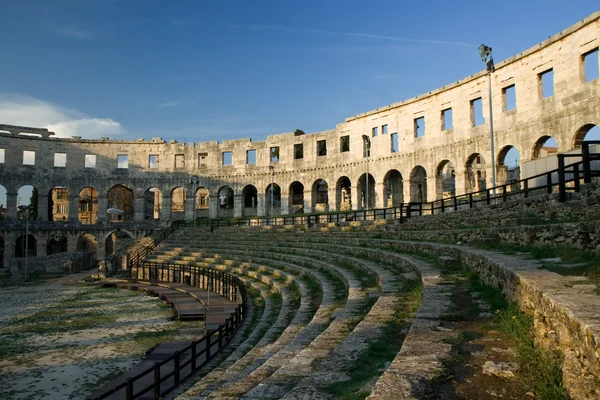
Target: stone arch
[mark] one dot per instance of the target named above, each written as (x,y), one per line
(418,184)
(113,243)
(273,199)
(445,180)
(88,205)
(152,203)
(57,244)
(508,168)
(178,203)
(202,202)
(25,245)
(582,133)
(249,200)
(120,197)
(362,192)
(343,194)
(27,202)
(225,196)
(475,177)
(320,196)
(393,189)
(58,203)
(87,242)
(544,147)
(296,198)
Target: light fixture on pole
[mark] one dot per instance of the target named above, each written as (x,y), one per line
(485,53)
(367,153)
(194,181)
(272,172)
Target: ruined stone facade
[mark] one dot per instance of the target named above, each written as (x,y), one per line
(421,149)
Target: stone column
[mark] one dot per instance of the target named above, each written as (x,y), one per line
(11,205)
(41,248)
(331,198)
(42,209)
(238,204)
(102,207)
(379,196)
(308,200)
(460,182)
(285,203)
(358,198)
(261,206)
(213,209)
(190,204)
(406,187)
(165,214)
(431,188)
(138,208)
(9,248)
(73,208)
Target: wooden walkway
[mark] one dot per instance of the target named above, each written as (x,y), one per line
(188,303)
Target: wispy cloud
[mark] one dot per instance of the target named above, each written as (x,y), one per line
(169,104)
(358,34)
(22,110)
(71,32)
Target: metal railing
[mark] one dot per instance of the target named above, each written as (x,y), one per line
(170,372)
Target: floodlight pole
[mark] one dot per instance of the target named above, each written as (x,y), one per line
(26,239)
(486,56)
(367,143)
(272,172)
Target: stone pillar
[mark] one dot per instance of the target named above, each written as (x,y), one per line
(285,203)
(102,207)
(331,198)
(165,213)
(460,182)
(379,196)
(261,206)
(238,204)
(431,188)
(358,198)
(406,187)
(100,248)
(308,200)
(138,208)
(41,248)
(11,205)
(43,206)
(9,248)
(213,209)
(73,208)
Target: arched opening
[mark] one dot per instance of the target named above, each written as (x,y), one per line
(475,173)
(320,196)
(115,243)
(88,205)
(56,245)
(273,199)
(418,185)
(508,167)
(362,192)
(250,200)
(445,180)
(2,202)
(152,203)
(343,194)
(202,202)
(87,242)
(178,203)
(58,204)
(226,201)
(544,147)
(25,246)
(393,189)
(297,198)
(120,203)
(586,132)
(27,203)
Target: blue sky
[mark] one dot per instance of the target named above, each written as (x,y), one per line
(214,70)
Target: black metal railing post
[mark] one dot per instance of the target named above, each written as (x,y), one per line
(562,190)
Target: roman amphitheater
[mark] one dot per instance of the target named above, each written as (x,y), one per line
(341,234)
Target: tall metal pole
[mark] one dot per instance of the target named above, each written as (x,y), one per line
(272,171)
(367,176)
(26,239)
(492,132)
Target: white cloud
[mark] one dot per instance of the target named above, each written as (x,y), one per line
(70,32)
(27,111)
(169,104)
